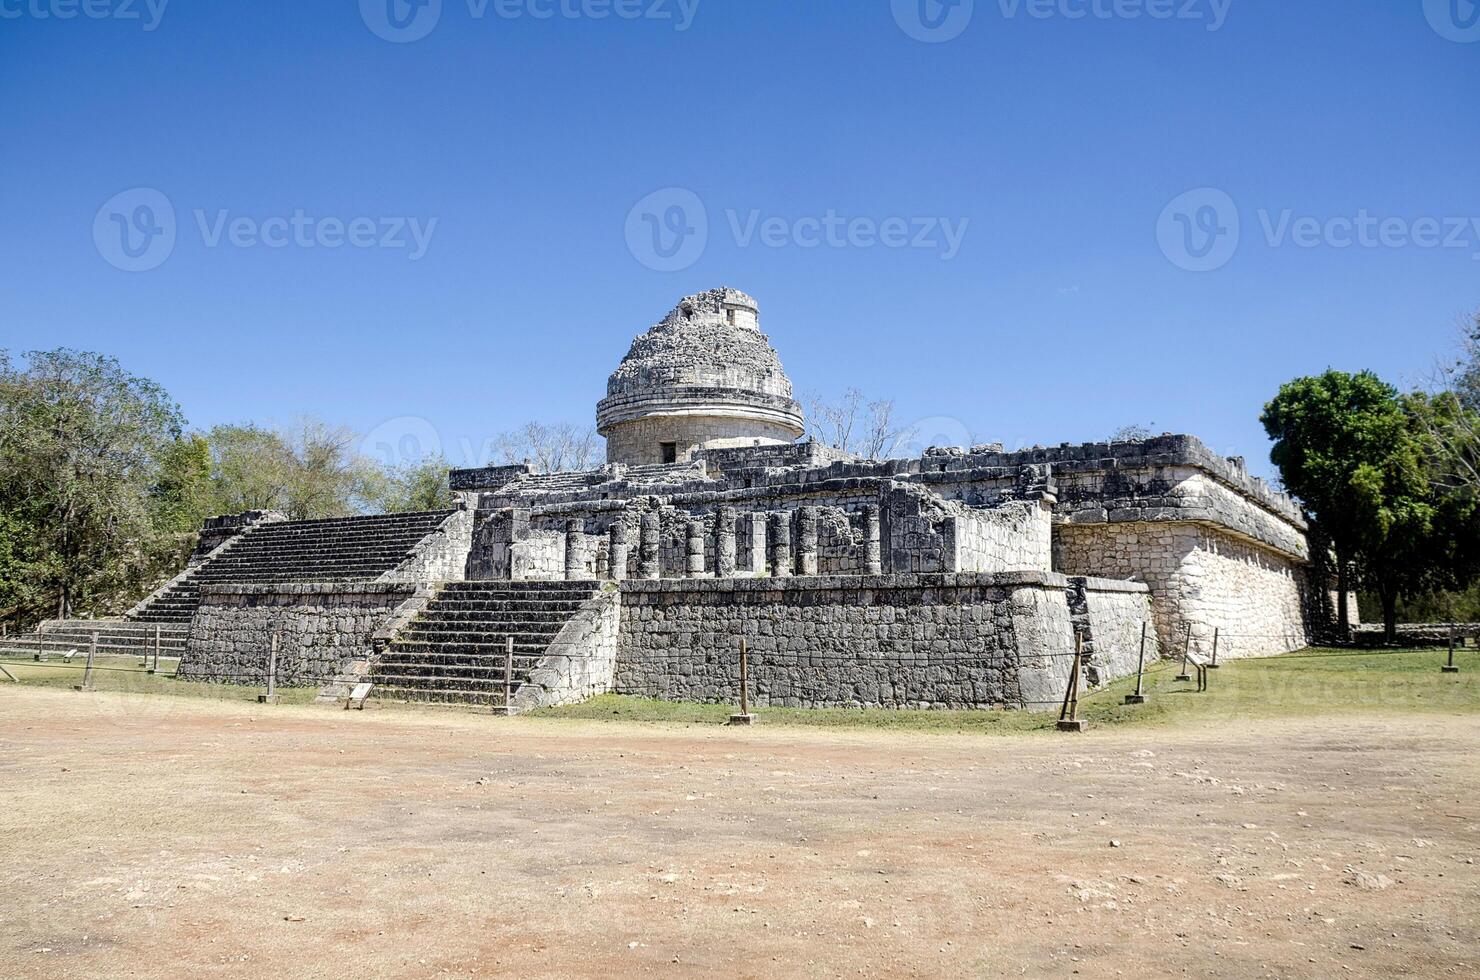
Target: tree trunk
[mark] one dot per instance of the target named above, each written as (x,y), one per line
(1343,621)
(1389,615)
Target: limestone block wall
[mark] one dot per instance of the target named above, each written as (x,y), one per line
(1114,614)
(538,557)
(581,660)
(640,442)
(320,628)
(1015,535)
(442,556)
(1200,576)
(921,641)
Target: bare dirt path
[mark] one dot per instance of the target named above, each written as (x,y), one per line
(164,837)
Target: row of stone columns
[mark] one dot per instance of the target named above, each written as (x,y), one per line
(774,549)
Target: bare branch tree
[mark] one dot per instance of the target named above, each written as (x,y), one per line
(1454,428)
(557,448)
(857,425)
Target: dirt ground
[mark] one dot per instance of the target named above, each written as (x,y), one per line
(167,837)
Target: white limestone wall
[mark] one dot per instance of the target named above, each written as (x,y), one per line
(442,556)
(640,442)
(1010,537)
(1197,575)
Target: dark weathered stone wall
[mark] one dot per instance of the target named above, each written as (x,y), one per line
(320,628)
(919,641)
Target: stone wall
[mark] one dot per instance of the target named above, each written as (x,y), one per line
(1200,576)
(920,641)
(321,628)
(581,660)
(1114,612)
(441,556)
(1015,535)
(641,442)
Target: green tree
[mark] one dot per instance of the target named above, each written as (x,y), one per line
(1361,461)
(1332,438)
(80,444)
(409,487)
(307,471)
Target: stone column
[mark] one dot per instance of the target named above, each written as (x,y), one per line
(649,547)
(575,568)
(780,533)
(807,541)
(873,549)
(616,558)
(724,543)
(694,548)
(758,547)
(603,557)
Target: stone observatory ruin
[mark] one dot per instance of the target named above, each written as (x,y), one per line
(957,579)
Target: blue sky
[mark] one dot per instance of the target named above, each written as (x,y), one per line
(1056,139)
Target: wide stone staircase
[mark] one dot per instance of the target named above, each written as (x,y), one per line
(455,651)
(348,549)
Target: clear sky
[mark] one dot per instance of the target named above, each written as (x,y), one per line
(980,210)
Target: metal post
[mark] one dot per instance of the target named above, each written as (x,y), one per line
(1450,668)
(744,717)
(1186,650)
(40,642)
(1069,720)
(92,651)
(271,696)
(508,675)
(1213,664)
(1140,696)
(155,668)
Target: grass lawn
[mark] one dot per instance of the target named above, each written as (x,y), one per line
(1311,682)
(124,675)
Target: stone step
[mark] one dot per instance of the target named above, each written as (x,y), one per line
(491,696)
(499,606)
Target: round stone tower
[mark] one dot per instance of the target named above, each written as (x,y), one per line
(704,378)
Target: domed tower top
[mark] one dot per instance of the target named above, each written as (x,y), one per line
(703,378)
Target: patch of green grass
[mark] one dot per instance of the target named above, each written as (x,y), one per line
(1312,682)
(123,674)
